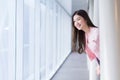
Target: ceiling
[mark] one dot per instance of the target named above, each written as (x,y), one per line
(79,4)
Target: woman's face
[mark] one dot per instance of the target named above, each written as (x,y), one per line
(79,22)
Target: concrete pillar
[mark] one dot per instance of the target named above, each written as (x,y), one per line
(109,39)
(96,13)
(91,9)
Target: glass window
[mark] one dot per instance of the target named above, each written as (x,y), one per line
(4,18)
(53,38)
(43,44)
(28,40)
(7,37)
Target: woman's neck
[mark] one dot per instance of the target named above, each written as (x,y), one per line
(86,29)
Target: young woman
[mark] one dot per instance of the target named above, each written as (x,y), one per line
(86,38)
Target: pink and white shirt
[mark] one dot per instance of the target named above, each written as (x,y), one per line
(92,43)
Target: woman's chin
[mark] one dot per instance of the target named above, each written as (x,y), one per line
(79,28)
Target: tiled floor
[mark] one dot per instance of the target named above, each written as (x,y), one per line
(74,68)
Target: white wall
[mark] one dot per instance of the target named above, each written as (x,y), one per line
(80,4)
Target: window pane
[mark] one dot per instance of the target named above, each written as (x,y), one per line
(42,37)
(4,40)
(28,41)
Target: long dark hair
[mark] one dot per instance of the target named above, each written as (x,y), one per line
(78,36)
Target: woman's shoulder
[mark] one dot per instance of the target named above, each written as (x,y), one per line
(95,29)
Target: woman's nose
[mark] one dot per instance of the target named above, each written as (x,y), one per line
(77,23)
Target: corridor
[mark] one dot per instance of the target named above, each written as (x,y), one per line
(74,68)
